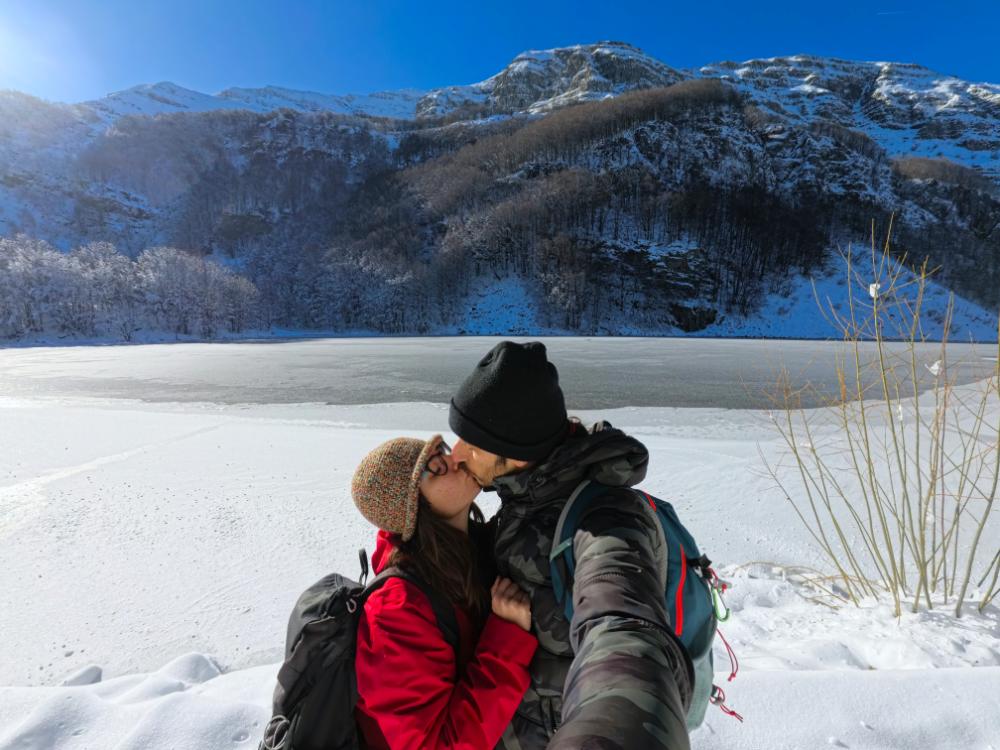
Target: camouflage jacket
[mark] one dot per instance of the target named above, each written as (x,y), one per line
(614,677)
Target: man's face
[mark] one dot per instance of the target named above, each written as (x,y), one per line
(483,465)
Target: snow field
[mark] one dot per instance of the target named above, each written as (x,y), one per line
(150,554)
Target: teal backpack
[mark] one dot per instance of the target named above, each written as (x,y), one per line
(693,593)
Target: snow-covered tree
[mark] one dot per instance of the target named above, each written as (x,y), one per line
(96,291)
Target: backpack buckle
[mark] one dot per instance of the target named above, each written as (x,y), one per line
(363,559)
(704,566)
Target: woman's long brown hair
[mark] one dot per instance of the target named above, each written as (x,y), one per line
(443,557)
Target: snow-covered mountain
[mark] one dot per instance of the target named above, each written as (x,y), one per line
(542,80)
(394,104)
(762,166)
(534,81)
(166,97)
(151,99)
(907,109)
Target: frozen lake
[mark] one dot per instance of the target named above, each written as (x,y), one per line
(596,373)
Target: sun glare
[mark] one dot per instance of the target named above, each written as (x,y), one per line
(41,57)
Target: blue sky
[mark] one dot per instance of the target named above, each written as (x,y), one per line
(76,50)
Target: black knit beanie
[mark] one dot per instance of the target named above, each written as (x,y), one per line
(511,404)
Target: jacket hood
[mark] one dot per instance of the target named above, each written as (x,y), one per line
(385,543)
(603,454)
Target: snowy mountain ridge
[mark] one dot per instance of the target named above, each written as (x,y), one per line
(166,97)
(875,97)
(906,107)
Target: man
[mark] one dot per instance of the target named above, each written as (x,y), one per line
(616,676)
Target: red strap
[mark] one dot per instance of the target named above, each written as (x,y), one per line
(679,598)
(651,503)
(734,663)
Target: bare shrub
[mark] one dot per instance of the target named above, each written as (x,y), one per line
(899,490)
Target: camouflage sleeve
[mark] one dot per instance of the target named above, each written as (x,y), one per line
(629,685)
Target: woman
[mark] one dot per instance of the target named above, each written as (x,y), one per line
(414,690)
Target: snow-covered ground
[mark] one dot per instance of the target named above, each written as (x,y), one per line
(149,554)
(802,308)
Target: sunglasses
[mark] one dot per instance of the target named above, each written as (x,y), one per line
(436,465)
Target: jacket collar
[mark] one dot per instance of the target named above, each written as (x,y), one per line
(602,453)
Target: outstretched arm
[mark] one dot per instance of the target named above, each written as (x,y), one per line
(629,685)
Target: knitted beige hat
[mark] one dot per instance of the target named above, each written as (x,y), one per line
(386,484)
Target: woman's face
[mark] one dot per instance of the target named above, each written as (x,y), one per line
(447,486)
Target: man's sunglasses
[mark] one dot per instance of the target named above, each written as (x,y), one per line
(436,464)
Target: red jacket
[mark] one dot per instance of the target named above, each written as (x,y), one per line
(408,695)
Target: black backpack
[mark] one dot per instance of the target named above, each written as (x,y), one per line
(317,691)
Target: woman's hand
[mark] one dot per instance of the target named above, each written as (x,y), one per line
(511,603)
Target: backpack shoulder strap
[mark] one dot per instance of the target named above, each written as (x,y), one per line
(562,539)
(562,563)
(444,612)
